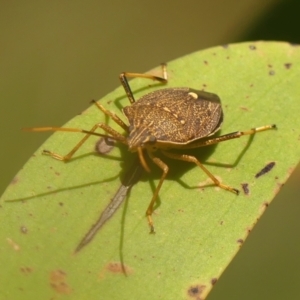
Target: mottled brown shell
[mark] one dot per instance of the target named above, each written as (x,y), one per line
(174,116)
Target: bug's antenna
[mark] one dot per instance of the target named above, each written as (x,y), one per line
(42,129)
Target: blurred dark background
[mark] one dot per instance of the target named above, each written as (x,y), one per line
(55,56)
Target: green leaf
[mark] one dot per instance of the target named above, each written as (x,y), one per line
(199,227)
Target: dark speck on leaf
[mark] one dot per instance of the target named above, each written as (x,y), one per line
(252,47)
(272,72)
(195,291)
(288,65)
(265,169)
(23,229)
(245,187)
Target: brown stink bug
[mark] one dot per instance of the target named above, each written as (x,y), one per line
(166,119)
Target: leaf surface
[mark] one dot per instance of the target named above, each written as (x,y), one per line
(199,227)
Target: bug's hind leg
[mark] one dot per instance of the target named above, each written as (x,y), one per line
(165,170)
(194,160)
(228,136)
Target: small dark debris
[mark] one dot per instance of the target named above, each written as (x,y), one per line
(60,204)
(214,281)
(23,229)
(245,187)
(240,241)
(252,47)
(288,65)
(266,204)
(196,291)
(104,145)
(272,72)
(57,173)
(265,169)
(206,62)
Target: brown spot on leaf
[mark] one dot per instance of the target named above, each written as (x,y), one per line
(288,65)
(58,282)
(23,229)
(263,207)
(214,281)
(278,188)
(252,47)
(26,270)
(118,268)
(13,244)
(271,72)
(240,241)
(15,180)
(244,108)
(195,291)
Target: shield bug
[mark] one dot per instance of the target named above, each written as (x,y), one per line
(166,119)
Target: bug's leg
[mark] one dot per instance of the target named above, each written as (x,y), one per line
(165,170)
(193,159)
(229,136)
(113,134)
(123,78)
(112,115)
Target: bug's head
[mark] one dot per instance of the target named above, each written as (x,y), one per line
(140,138)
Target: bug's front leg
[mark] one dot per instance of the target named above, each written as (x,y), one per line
(165,170)
(113,134)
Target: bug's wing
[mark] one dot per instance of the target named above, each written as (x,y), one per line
(178,115)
